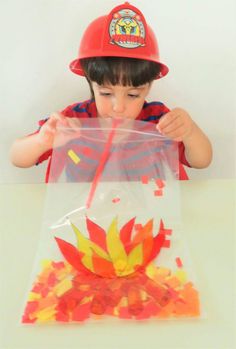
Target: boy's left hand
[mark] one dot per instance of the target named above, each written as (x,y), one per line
(176,125)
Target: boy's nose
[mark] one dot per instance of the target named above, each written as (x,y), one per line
(118,105)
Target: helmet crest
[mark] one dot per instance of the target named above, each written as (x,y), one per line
(127,29)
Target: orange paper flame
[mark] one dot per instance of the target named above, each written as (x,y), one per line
(115,253)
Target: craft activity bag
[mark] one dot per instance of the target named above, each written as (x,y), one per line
(111,242)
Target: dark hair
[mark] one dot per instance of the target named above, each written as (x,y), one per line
(119,70)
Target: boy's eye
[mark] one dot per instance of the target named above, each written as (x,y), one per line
(133,95)
(105,93)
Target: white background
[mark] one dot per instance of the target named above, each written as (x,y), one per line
(196,39)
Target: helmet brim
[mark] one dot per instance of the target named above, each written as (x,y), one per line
(76,68)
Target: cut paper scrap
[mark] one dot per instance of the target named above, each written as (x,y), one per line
(117,278)
(160,183)
(166,244)
(179,262)
(158,192)
(74,157)
(115,200)
(144,179)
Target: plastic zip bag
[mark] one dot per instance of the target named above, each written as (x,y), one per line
(108,243)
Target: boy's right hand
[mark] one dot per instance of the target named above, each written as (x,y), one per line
(51,135)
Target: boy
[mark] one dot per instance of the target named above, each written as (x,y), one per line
(119,57)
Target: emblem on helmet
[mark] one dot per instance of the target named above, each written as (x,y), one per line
(126,29)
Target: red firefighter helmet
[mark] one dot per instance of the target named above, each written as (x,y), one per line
(122,33)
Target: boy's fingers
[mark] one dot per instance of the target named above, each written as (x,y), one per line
(74,122)
(167,120)
(172,126)
(51,122)
(58,118)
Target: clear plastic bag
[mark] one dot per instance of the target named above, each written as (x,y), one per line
(108,243)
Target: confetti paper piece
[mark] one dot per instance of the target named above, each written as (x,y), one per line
(47,302)
(160,183)
(74,157)
(181,275)
(174,294)
(149,310)
(158,192)
(172,281)
(61,317)
(33,296)
(27,320)
(166,244)
(165,272)
(124,313)
(158,292)
(63,287)
(98,305)
(82,312)
(167,231)
(144,179)
(58,265)
(46,314)
(167,311)
(135,305)
(115,200)
(31,307)
(116,311)
(46,263)
(179,262)
(52,280)
(151,271)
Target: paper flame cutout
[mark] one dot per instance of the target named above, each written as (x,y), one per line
(115,254)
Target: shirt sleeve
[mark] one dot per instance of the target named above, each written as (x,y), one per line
(182,157)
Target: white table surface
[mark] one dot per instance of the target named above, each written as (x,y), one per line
(209,227)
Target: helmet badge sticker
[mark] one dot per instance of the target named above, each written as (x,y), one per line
(127,29)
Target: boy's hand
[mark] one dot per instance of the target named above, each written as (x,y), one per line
(176,125)
(51,129)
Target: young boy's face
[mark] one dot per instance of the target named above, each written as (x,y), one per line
(119,101)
